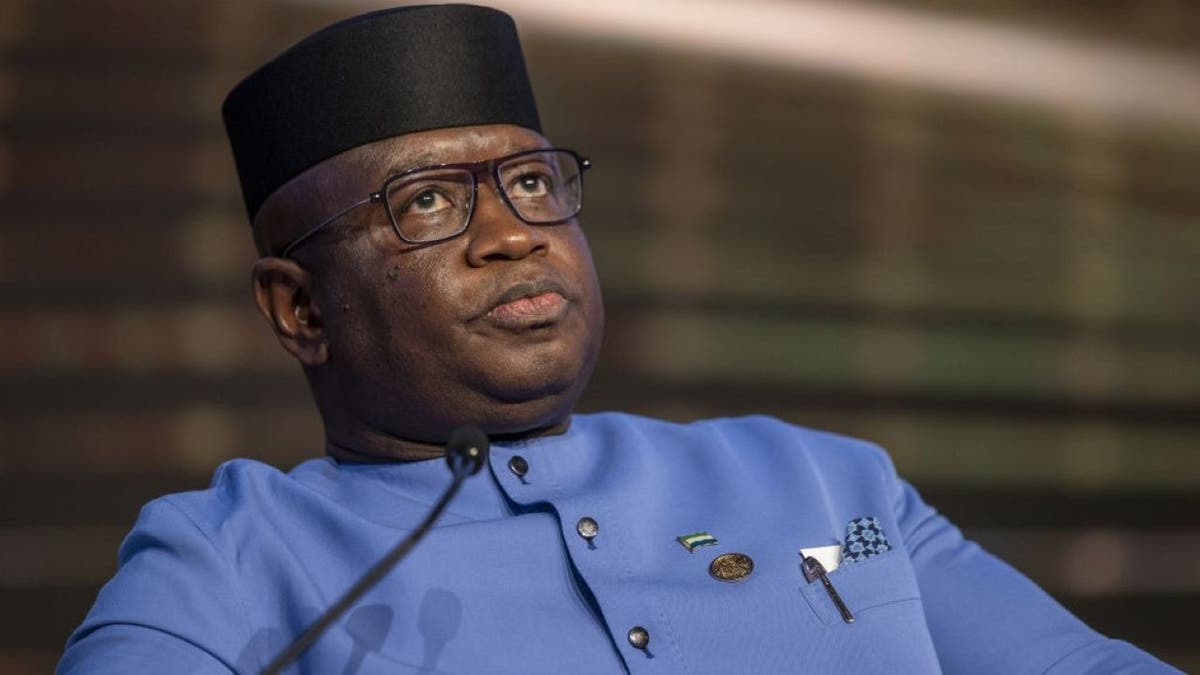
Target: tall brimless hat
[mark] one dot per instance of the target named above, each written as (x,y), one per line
(372,77)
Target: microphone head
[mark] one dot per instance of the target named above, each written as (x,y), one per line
(467,450)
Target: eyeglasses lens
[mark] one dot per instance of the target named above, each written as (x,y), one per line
(541,187)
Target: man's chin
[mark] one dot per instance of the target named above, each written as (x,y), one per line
(532,389)
(526,401)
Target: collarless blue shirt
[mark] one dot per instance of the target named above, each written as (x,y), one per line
(220,580)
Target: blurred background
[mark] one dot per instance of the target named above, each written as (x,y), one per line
(966,231)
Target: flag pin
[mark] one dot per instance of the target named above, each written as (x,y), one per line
(696,540)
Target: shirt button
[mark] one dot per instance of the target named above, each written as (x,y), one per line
(587,528)
(639,637)
(518,466)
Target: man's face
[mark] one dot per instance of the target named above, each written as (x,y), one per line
(498,327)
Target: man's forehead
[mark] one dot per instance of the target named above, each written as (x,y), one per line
(398,154)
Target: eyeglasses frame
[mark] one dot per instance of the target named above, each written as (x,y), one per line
(492,166)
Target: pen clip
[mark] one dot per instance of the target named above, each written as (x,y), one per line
(814,570)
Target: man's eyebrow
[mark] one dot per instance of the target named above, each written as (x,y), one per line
(408,162)
(419,159)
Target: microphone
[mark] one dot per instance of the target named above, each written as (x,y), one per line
(467,450)
(466,453)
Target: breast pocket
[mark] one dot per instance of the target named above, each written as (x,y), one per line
(880,580)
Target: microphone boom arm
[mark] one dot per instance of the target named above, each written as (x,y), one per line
(466,454)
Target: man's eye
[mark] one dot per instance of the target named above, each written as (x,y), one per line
(531,185)
(426,201)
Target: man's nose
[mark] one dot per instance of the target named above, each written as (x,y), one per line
(496,233)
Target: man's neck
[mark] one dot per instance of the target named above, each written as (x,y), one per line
(373,447)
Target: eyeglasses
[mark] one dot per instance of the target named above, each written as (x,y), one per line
(435,203)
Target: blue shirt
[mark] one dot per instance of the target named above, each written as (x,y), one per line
(218,581)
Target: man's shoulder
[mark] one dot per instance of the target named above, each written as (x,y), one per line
(240,489)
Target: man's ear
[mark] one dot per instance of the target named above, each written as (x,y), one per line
(283,293)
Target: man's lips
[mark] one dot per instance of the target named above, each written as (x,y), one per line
(527,305)
(543,305)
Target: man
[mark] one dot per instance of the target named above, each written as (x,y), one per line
(423,262)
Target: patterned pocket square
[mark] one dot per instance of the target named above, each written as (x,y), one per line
(864,538)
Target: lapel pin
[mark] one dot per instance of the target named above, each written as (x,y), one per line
(696,540)
(731,567)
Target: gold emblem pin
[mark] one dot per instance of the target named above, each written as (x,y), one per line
(731,567)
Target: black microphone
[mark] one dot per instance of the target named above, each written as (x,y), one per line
(466,453)
(467,450)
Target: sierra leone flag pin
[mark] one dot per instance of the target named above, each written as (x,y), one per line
(696,540)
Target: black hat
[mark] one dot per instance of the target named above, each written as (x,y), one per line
(372,77)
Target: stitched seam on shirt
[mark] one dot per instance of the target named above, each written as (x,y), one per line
(237,586)
(287,544)
(892,481)
(937,522)
(1071,653)
(161,631)
(914,598)
(556,492)
(425,504)
(392,492)
(312,581)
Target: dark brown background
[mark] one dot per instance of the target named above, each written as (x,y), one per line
(1003,294)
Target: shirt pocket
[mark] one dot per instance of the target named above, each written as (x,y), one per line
(880,580)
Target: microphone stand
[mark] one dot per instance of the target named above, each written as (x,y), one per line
(466,452)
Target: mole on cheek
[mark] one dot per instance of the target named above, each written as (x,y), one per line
(393,273)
